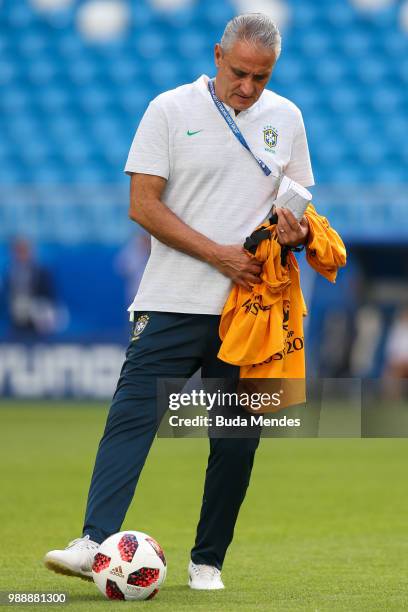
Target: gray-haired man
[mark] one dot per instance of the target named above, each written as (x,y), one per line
(200,183)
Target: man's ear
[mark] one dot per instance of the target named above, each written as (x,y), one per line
(218,54)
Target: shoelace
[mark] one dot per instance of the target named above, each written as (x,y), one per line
(84,542)
(206,571)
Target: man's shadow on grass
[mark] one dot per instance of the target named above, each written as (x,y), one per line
(174,589)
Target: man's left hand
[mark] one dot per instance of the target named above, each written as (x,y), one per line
(290,231)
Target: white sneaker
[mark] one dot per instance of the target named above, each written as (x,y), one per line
(204,577)
(75,560)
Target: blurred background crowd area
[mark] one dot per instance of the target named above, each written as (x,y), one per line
(76,77)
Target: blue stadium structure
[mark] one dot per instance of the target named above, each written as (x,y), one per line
(69,109)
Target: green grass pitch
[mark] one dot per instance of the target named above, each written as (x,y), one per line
(324,525)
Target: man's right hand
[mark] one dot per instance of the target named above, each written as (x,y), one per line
(234,261)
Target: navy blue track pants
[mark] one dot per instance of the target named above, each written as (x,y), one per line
(172,345)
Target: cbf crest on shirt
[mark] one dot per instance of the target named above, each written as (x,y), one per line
(270,135)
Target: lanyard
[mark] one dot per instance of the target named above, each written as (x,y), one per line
(235,129)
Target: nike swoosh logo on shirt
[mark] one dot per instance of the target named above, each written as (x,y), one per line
(193,133)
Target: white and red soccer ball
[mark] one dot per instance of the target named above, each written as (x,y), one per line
(129,565)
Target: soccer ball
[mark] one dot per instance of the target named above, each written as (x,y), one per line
(129,565)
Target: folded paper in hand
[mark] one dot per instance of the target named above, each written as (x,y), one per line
(293,196)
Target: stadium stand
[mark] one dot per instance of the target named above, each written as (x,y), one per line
(70,105)
(64,97)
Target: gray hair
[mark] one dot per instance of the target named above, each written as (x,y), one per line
(255,28)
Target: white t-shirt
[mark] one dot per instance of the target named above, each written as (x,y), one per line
(213,184)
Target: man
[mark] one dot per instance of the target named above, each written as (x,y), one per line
(30,293)
(199,193)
